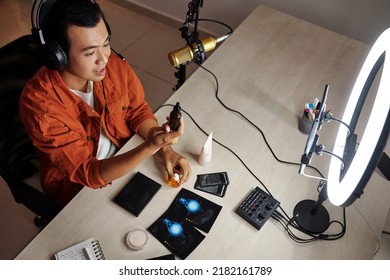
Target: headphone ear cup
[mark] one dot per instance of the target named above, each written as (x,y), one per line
(53,56)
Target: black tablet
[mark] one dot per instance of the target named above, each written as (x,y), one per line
(138,192)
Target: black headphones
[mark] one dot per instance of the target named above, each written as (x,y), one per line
(53,56)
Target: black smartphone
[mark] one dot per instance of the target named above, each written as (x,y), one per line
(213,183)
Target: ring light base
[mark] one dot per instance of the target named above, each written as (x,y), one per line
(310,222)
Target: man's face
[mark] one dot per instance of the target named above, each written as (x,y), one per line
(88,55)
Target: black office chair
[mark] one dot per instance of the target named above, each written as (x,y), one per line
(18,159)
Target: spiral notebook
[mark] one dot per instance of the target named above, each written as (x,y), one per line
(89,249)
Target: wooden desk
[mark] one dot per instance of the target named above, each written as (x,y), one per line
(271,66)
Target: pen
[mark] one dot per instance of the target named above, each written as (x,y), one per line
(88,253)
(311,116)
(315,103)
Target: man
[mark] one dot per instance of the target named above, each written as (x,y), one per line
(79,115)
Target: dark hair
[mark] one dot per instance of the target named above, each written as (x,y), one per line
(62,13)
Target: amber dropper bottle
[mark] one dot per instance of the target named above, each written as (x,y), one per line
(174,181)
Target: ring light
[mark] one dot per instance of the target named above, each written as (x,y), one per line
(350,169)
(344,186)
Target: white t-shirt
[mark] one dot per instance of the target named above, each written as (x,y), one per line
(106,148)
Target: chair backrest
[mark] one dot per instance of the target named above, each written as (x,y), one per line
(17,66)
(18,63)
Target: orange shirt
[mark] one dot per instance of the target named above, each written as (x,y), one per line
(65,130)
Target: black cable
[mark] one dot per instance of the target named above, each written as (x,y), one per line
(262,134)
(284,218)
(254,125)
(227,148)
(222,145)
(286,225)
(291,223)
(180,74)
(239,113)
(286,221)
(215,21)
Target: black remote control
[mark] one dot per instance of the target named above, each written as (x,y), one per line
(257,207)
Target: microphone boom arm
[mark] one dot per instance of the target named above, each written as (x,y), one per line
(192,16)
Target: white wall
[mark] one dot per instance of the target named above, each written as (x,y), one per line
(363,20)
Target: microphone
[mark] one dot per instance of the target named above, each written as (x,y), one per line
(186,54)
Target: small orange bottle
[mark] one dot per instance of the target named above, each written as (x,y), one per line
(174,181)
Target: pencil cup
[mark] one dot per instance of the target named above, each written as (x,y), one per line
(304,124)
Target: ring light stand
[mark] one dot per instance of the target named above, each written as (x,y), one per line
(311,215)
(350,169)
